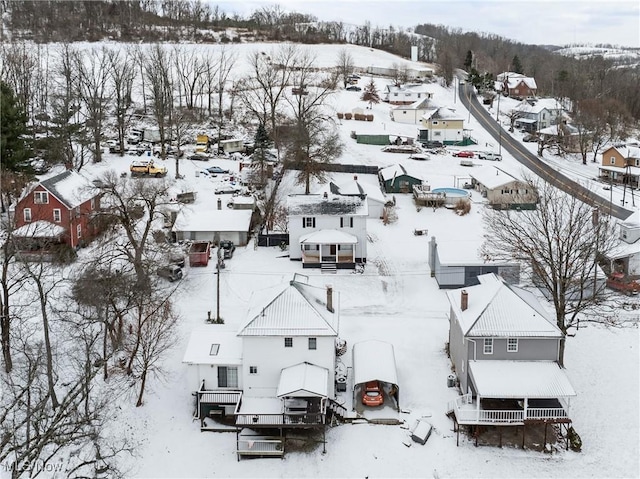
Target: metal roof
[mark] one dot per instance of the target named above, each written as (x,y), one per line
(297,310)
(374,360)
(326,204)
(496,309)
(303,380)
(200,351)
(328,236)
(520,379)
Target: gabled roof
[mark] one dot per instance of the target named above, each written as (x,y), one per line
(374,360)
(442,113)
(70,188)
(513,82)
(303,380)
(196,219)
(356,188)
(492,177)
(326,204)
(396,171)
(421,104)
(408,88)
(210,344)
(549,104)
(496,309)
(299,309)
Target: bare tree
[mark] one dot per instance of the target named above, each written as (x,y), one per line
(95,93)
(122,74)
(225,63)
(345,65)
(158,73)
(560,240)
(190,69)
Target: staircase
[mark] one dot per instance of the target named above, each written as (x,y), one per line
(328,268)
(337,410)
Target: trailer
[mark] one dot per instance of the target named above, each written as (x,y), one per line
(199,253)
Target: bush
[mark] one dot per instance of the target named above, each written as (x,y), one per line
(462,207)
(575,442)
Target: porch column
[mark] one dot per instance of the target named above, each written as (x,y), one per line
(477,408)
(526,406)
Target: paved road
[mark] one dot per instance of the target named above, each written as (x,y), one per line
(531,161)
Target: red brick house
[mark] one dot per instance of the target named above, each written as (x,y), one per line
(517,85)
(59,210)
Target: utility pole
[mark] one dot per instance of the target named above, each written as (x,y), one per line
(219,265)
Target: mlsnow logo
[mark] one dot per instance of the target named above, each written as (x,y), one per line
(37,466)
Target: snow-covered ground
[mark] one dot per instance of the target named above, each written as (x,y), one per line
(395,300)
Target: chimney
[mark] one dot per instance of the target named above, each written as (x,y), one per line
(355,177)
(329,298)
(464,300)
(325,195)
(219,203)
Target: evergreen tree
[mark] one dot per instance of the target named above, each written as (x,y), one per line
(370,93)
(468,61)
(516,66)
(261,144)
(14,150)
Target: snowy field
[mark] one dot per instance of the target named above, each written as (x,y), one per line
(395,300)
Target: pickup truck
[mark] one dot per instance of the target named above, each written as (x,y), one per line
(489,156)
(147,168)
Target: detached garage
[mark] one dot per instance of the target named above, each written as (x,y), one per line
(213,225)
(374,360)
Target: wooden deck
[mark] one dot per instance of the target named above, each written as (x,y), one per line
(298,420)
(260,446)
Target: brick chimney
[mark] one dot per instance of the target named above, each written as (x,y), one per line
(330,298)
(464,300)
(325,195)
(219,203)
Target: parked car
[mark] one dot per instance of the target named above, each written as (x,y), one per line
(198,157)
(228,248)
(489,156)
(216,170)
(227,189)
(530,138)
(171,272)
(432,144)
(354,88)
(464,154)
(372,394)
(177,259)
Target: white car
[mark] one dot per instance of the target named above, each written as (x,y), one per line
(227,189)
(489,156)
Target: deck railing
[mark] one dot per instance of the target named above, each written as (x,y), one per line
(466,412)
(299,419)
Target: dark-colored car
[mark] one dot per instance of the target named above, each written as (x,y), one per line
(171,272)
(354,88)
(432,144)
(372,394)
(228,248)
(216,170)
(463,154)
(530,138)
(198,158)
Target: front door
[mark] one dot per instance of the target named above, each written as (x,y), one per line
(332,250)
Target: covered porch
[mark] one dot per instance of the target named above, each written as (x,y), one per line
(514,393)
(328,247)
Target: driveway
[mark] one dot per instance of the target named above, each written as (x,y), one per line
(535,164)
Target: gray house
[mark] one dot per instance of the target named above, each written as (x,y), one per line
(460,265)
(504,349)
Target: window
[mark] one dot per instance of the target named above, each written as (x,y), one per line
(313,343)
(308,222)
(79,231)
(56,216)
(346,222)
(227,377)
(488,346)
(613,160)
(27,215)
(345,247)
(77,211)
(214,350)
(435,123)
(404,112)
(512,345)
(93,204)
(253,369)
(310,247)
(288,342)
(40,197)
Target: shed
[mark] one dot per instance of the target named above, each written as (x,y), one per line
(231,146)
(397,179)
(213,225)
(375,360)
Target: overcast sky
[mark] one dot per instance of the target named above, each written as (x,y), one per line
(558,22)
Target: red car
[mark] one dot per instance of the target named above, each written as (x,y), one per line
(372,394)
(464,154)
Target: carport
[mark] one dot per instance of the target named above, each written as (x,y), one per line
(374,360)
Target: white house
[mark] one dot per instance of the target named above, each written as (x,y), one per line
(406,94)
(537,114)
(213,225)
(375,197)
(328,230)
(442,124)
(625,257)
(278,370)
(412,113)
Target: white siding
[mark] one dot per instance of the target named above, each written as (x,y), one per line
(327,222)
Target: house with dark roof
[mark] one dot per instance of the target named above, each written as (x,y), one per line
(328,231)
(517,85)
(398,179)
(58,210)
(504,350)
(355,187)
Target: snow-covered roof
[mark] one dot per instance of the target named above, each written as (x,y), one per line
(355,188)
(71,188)
(442,113)
(329,236)
(374,360)
(492,177)
(192,219)
(421,104)
(513,82)
(39,229)
(633,220)
(408,88)
(554,130)
(326,204)
(211,345)
(520,379)
(540,104)
(504,75)
(496,309)
(303,380)
(297,310)
(397,170)
(631,170)
(626,151)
